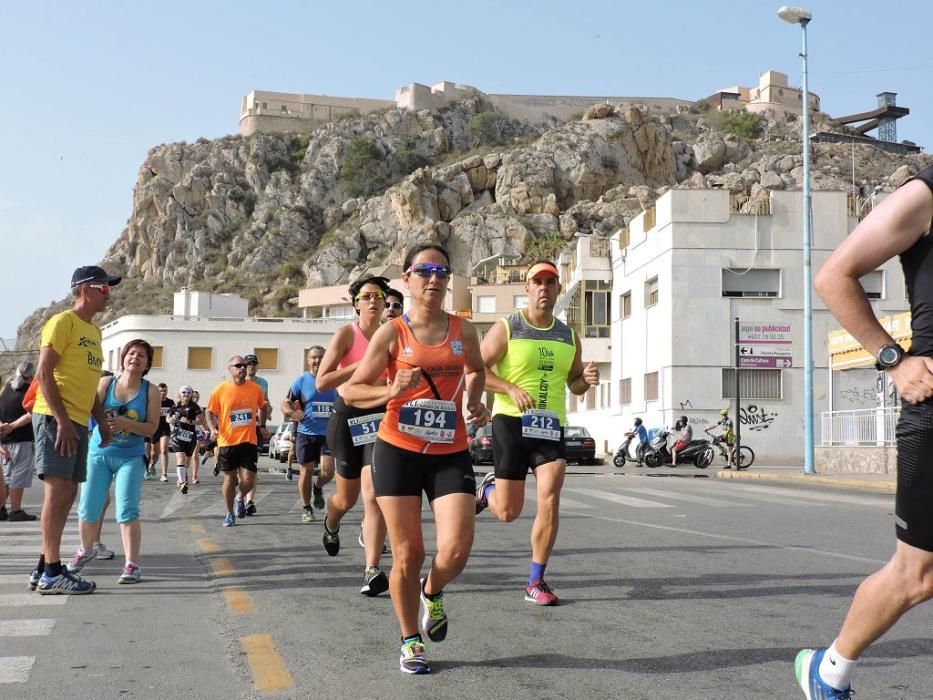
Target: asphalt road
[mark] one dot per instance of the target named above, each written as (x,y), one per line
(673,585)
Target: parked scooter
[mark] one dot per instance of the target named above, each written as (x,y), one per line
(623,454)
(698,453)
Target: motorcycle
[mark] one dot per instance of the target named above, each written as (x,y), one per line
(699,453)
(623,455)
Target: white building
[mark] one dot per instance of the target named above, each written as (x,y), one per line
(193,345)
(680,274)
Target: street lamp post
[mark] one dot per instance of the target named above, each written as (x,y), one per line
(802,16)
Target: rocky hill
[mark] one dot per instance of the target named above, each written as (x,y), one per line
(269,214)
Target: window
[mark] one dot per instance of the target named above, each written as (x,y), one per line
(755,282)
(623,238)
(110,360)
(200,358)
(651,386)
(284,109)
(268,358)
(520,301)
(265,105)
(625,391)
(625,305)
(596,303)
(650,218)
(873,284)
(651,292)
(753,383)
(486,304)
(590,397)
(157,357)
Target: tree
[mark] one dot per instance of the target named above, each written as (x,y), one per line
(364,169)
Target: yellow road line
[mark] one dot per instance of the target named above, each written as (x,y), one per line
(197,529)
(266,664)
(239,601)
(222,567)
(208,546)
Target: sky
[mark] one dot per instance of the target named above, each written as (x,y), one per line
(92,86)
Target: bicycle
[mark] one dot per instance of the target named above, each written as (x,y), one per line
(745,454)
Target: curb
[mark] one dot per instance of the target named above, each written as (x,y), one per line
(861,484)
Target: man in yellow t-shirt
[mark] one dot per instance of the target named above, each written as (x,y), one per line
(70,363)
(235,410)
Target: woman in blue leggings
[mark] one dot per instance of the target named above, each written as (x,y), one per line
(132,407)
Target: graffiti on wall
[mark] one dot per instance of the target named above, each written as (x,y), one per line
(756,417)
(863,396)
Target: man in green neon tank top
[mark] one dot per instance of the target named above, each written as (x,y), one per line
(530,358)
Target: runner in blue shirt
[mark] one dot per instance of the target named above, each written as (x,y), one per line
(311,409)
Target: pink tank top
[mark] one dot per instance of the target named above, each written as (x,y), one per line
(357,350)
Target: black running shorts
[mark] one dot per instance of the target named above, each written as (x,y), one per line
(310,448)
(242,456)
(161,432)
(514,455)
(398,472)
(912,515)
(176,445)
(349,459)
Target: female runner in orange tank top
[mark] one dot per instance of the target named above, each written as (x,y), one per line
(432,358)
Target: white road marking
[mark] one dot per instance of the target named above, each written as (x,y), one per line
(19,600)
(690,498)
(568,503)
(179,501)
(15,669)
(824,497)
(629,501)
(26,628)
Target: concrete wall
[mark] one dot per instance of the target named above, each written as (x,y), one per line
(192,303)
(228,337)
(281,112)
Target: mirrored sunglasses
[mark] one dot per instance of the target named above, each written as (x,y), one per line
(369,296)
(394,305)
(426,270)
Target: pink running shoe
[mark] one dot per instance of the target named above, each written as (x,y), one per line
(541,594)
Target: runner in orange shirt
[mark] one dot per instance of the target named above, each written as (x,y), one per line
(432,357)
(235,409)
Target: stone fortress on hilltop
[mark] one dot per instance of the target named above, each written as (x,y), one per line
(774,98)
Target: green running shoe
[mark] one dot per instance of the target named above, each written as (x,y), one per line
(434,618)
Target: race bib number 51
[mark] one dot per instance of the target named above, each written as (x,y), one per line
(540,425)
(242,418)
(430,420)
(363,429)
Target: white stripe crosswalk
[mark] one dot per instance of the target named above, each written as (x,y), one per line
(26,628)
(15,669)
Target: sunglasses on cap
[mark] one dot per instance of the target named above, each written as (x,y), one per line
(239,365)
(369,296)
(426,270)
(104,288)
(394,305)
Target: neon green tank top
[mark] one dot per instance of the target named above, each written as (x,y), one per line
(538,360)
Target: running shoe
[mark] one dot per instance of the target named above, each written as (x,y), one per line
(541,594)
(65,583)
(217,469)
(34,579)
(103,551)
(184,488)
(288,473)
(307,515)
(163,478)
(239,508)
(412,659)
(807,670)
(250,508)
(318,498)
(147,475)
(195,482)
(331,539)
(385,545)
(374,582)
(433,619)
(229,520)
(130,574)
(80,559)
(481,501)
(3,513)
(21,516)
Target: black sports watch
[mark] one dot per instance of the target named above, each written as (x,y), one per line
(889,356)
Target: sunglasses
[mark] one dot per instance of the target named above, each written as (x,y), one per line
(239,365)
(104,288)
(186,393)
(426,270)
(394,305)
(369,296)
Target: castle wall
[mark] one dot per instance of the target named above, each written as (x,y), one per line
(281,112)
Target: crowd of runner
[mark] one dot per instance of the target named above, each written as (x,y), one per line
(383,412)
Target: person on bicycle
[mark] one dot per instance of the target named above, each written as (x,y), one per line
(727,435)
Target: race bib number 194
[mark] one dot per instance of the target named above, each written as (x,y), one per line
(430,420)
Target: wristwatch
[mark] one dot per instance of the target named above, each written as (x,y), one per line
(889,356)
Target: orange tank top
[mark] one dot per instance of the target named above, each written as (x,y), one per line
(429,418)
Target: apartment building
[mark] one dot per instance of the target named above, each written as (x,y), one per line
(680,274)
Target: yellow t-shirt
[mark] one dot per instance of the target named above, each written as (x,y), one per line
(237,409)
(78,370)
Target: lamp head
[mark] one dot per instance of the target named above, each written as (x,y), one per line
(794,15)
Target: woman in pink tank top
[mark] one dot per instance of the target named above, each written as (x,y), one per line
(351,432)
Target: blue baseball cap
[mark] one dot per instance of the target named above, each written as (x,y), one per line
(91,274)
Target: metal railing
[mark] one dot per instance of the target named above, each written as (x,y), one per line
(866,426)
